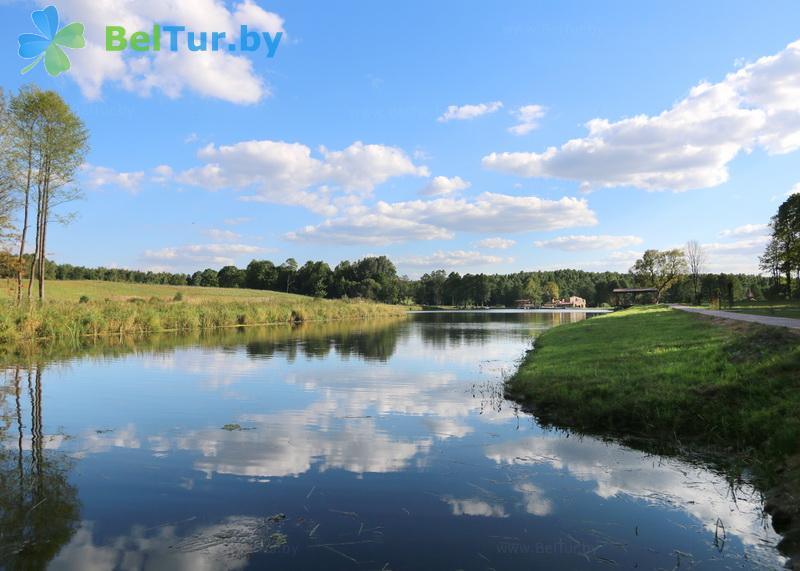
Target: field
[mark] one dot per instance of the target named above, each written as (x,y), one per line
(664,374)
(134,309)
(97,290)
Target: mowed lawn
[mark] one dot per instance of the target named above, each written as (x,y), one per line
(785,309)
(96,290)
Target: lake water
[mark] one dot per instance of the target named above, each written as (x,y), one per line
(374,445)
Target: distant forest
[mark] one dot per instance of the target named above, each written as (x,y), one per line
(376,278)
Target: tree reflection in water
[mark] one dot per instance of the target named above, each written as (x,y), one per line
(39,508)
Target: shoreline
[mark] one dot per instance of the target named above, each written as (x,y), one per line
(683,384)
(60,321)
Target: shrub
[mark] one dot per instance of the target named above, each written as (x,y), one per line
(84,299)
(178,296)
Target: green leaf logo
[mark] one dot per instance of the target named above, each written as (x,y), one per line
(47,45)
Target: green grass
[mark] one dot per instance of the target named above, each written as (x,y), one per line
(773,309)
(96,290)
(672,376)
(132,309)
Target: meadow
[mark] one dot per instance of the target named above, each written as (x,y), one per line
(75,309)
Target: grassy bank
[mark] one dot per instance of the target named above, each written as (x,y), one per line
(669,375)
(775,309)
(134,309)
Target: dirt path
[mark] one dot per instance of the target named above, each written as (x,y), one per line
(762,319)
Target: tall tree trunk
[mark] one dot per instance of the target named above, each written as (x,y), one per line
(24,224)
(36,250)
(43,256)
(44,208)
(20,466)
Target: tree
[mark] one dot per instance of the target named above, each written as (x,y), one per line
(786,238)
(261,274)
(209,278)
(551,291)
(660,270)
(314,279)
(49,144)
(532,289)
(286,274)
(432,286)
(231,276)
(451,288)
(696,260)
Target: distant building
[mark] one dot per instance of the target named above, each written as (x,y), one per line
(571,302)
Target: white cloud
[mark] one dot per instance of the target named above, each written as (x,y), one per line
(101,177)
(219,235)
(387,223)
(619,261)
(214,74)
(193,255)
(794,190)
(739,256)
(528,117)
(746,230)
(372,228)
(595,242)
(455,112)
(162,174)
(496,243)
(442,186)
(457,258)
(362,167)
(687,146)
(747,246)
(284,173)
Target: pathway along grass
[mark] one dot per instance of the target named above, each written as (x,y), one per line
(657,372)
(60,321)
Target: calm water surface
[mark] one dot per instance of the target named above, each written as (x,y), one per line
(381,445)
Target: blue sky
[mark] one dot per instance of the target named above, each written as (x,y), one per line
(664,122)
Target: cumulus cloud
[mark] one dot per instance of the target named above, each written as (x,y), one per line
(193,255)
(739,256)
(687,146)
(794,190)
(528,119)
(746,230)
(372,228)
(284,173)
(386,223)
(747,246)
(218,74)
(496,243)
(458,113)
(457,258)
(162,174)
(443,186)
(101,177)
(595,242)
